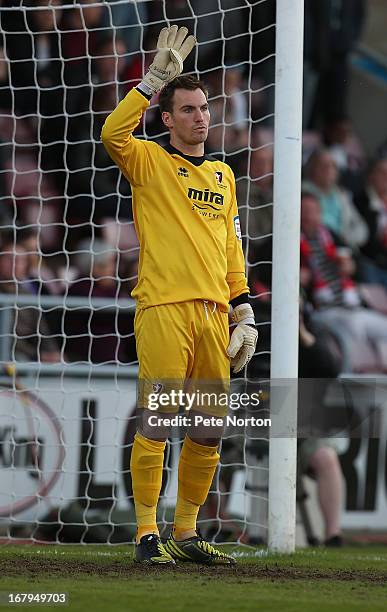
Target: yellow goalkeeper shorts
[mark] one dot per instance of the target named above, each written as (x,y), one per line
(182,348)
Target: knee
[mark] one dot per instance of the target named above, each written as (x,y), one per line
(324,459)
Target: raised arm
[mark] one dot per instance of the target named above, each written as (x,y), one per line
(135,158)
(138,158)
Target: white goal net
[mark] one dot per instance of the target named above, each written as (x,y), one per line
(69,251)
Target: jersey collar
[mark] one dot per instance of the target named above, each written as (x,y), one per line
(196,161)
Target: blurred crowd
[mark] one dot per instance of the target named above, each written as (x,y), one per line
(66,212)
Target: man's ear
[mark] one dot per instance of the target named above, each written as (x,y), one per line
(166,119)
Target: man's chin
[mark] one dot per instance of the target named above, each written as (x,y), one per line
(199,137)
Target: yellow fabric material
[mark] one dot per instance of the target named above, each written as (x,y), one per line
(186,514)
(197,467)
(145,529)
(190,342)
(186,217)
(146,467)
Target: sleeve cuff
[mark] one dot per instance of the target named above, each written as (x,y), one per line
(240,299)
(145,90)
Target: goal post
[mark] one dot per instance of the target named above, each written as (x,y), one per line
(286,266)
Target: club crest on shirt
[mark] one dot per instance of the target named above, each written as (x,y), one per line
(157,387)
(182,172)
(219,179)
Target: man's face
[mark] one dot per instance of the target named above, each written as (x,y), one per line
(324,171)
(190,117)
(310,216)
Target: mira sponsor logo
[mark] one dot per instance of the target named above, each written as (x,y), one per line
(208,199)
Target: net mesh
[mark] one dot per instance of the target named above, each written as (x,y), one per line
(69,257)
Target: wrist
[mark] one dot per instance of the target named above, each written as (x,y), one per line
(243,313)
(146,89)
(151,82)
(243,298)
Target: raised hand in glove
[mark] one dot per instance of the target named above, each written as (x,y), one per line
(243,338)
(173,46)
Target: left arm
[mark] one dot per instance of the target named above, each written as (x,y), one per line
(236,277)
(244,337)
(355,230)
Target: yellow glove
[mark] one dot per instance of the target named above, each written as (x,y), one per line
(173,47)
(243,338)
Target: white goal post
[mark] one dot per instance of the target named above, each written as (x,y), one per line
(286,267)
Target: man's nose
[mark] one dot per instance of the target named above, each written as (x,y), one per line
(198,115)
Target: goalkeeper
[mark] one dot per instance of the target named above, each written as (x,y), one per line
(191,268)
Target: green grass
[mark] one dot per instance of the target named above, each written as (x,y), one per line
(104,578)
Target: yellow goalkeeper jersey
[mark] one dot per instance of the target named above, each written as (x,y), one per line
(185,214)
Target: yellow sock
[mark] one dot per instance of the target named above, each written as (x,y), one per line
(197,467)
(186,514)
(146,467)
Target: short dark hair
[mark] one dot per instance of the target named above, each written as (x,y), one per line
(188,82)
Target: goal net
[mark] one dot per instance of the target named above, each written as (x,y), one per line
(69,258)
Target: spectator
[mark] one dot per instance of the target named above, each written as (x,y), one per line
(228,106)
(48,87)
(82,27)
(372,205)
(338,212)
(32,340)
(327,277)
(332,30)
(93,182)
(28,196)
(217,37)
(255,202)
(138,63)
(128,21)
(108,61)
(263,21)
(80,31)
(97,336)
(42,279)
(32,45)
(317,457)
(347,151)
(255,195)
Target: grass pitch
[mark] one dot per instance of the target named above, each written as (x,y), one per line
(105,578)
